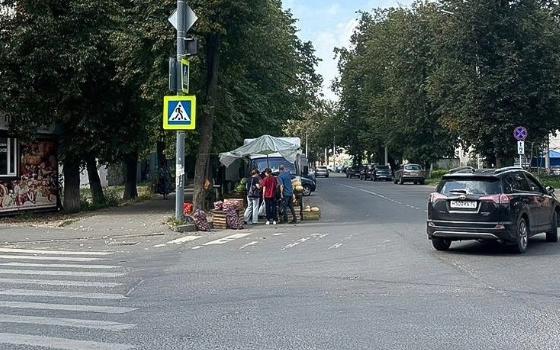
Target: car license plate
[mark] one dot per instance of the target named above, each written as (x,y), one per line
(463,204)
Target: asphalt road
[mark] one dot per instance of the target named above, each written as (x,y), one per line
(364,277)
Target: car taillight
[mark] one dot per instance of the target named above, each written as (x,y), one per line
(497,198)
(435,197)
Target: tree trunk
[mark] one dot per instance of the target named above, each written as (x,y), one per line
(207,121)
(131,169)
(71,170)
(94,180)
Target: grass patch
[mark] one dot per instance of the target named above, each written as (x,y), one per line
(549,180)
(113,197)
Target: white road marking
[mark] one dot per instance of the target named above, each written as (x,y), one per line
(334,246)
(197,247)
(66,322)
(62,266)
(378,195)
(59,343)
(59,283)
(59,258)
(65,307)
(248,244)
(183,239)
(53,252)
(299,241)
(57,294)
(319,235)
(227,239)
(61,273)
(160,245)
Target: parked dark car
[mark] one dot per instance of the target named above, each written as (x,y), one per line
(382,172)
(322,171)
(410,173)
(507,205)
(366,172)
(353,171)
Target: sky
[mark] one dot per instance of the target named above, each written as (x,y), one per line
(329,24)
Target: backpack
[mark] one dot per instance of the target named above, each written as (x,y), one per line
(252,190)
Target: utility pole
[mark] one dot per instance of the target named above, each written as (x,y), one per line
(334,152)
(180,147)
(547,155)
(386,155)
(306,147)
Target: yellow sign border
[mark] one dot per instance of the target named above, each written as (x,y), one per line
(167,99)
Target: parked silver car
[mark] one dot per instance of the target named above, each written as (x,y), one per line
(322,171)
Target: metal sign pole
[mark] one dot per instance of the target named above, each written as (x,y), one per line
(180,147)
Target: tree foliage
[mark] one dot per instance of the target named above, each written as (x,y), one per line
(98,71)
(424,79)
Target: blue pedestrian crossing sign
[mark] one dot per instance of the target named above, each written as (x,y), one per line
(179,112)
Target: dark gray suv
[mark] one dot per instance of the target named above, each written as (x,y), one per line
(508,205)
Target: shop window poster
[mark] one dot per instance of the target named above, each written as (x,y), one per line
(36,186)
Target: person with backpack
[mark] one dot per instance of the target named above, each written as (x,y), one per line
(269,185)
(287,195)
(251,215)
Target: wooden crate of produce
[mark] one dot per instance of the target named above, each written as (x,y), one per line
(311,215)
(219,219)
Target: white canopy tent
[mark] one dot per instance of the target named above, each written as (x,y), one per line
(264,146)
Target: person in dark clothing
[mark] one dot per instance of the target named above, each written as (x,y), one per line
(253,198)
(287,194)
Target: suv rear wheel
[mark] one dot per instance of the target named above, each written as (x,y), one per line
(552,235)
(522,236)
(441,243)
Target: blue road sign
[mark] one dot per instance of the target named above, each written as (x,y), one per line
(179,112)
(520,133)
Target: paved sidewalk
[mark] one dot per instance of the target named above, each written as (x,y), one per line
(133,220)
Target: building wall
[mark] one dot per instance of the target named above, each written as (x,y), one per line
(36,186)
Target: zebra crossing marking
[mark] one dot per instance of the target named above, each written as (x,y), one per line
(60,294)
(66,322)
(62,266)
(59,343)
(61,273)
(52,252)
(66,307)
(59,258)
(60,282)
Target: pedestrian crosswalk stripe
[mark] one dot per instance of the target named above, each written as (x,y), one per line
(62,266)
(53,252)
(66,322)
(60,283)
(61,273)
(60,258)
(58,294)
(65,307)
(227,239)
(59,343)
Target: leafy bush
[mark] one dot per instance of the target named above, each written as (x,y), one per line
(549,180)
(438,173)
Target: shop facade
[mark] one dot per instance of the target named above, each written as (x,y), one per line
(28,172)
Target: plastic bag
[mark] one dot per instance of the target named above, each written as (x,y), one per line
(187,208)
(262,209)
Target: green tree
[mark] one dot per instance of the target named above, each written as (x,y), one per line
(497,69)
(56,67)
